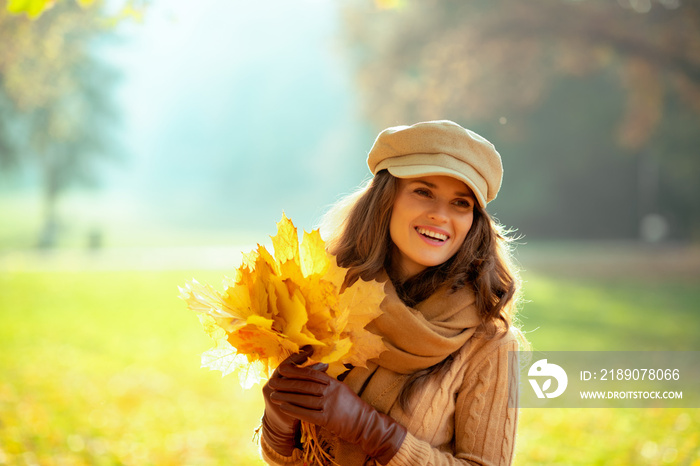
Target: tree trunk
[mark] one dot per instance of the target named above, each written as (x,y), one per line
(48,235)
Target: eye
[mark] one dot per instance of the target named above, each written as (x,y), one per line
(422,192)
(463,203)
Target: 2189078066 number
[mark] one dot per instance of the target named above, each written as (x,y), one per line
(640,374)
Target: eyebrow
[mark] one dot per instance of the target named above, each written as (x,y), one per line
(434,186)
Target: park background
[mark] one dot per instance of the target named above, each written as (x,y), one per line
(146,143)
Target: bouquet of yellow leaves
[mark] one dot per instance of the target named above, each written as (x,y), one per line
(275,305)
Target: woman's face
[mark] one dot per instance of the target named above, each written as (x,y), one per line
(430,219)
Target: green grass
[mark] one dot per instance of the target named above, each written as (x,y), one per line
(102,368)
(623,314)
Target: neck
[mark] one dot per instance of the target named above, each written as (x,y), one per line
(400,270)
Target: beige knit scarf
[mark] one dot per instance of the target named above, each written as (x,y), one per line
(415,339)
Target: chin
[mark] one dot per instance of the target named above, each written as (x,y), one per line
(433,262)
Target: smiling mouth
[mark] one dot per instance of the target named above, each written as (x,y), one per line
(432,234)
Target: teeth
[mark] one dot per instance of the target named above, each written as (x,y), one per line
(431,234)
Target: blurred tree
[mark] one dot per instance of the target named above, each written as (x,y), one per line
(495,64)
(55,113)
(35,8)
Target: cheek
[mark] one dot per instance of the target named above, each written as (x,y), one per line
(399,217)
(465,226)
(395,227)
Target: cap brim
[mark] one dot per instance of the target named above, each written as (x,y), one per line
(415,171)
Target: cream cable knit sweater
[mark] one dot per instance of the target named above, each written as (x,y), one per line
(461,418)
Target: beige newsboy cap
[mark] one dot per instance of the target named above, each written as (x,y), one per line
(439,148)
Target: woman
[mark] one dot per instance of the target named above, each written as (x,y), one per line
(444,391)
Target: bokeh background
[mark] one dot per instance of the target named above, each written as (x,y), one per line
(146,143)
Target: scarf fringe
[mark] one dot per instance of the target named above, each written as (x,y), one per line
(316,451)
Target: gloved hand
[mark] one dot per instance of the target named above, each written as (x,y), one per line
(311,395)
(278,428)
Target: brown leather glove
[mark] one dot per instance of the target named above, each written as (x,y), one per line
(279,430)
(308,394)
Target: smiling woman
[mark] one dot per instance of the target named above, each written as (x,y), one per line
(442,392)
(430,220)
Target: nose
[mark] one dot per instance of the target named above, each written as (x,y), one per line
(438,213)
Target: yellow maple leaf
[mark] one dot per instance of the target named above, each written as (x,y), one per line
(312,262)
(286,242)
(275,304)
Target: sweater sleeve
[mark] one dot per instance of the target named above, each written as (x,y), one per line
(271,457)
(485,425)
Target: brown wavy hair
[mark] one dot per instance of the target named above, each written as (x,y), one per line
(361,242)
